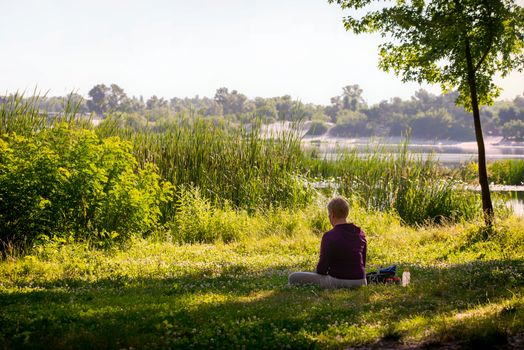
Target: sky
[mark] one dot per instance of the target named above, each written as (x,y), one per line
(173,48)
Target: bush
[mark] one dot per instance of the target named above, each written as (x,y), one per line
(64,180)
(317,129)
(507,172)
(513,130)
(351,124)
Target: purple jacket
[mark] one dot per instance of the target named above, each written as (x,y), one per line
(343,253)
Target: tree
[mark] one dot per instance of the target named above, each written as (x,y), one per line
(156,103)
(519,102)
(455,43)
(232,102)
(285,107)
(98,99)
(75,102)
(266,109)
(351,123)
(432,124)
(507,115)
(117,99)
(352,97)
(513,130)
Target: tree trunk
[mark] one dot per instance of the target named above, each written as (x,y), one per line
(487,206)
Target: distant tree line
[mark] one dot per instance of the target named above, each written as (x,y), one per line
(424,115)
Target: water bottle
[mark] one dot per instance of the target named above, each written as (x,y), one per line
(406,276)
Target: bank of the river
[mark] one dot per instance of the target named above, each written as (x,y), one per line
(513,196)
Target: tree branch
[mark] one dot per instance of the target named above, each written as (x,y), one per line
(479,63)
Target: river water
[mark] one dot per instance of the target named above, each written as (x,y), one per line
(449,153)
(518,204)
(515,201)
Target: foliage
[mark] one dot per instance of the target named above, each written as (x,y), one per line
(465,292)
(393,117)
(351,123)
(197,220)
(350,100)
(428,40)
(510,113)
(507,172)
(64,180)
(234,165)
(317,129)
(104,99)
(433,122)
(22,115)
(425,201)
(397,180)
(458,44)
(222,176)
(514,130)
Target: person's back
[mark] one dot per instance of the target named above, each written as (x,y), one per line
(343,252)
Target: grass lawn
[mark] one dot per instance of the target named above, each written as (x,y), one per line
(466,291)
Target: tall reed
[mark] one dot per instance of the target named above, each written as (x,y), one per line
(507,172)
(21,115)
(384,179)
(233,164)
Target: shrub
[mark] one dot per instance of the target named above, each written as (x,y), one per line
(317,129)
(64,180)
(507,172)
(514,130)
(351,124)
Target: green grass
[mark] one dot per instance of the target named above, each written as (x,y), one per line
(155,293)
(500,172)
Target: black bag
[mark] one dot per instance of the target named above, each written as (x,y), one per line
(383,275)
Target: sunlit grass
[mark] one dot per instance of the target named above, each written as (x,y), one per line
(156,293)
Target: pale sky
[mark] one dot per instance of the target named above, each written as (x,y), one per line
(183,48)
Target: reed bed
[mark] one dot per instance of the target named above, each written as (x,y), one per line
(21,116)
(507,172)
(381,179)
(229,164)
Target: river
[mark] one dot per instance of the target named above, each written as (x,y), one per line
(449,153)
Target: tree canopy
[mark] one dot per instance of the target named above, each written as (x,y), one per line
(424,40)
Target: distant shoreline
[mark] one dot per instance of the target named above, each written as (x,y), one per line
(490,142)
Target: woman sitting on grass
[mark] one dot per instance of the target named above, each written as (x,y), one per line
(342,253)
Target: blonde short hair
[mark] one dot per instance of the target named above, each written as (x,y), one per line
(338,207)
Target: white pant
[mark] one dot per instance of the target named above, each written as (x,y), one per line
(324,281)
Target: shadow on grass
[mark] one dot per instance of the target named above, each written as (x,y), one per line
(257,309)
